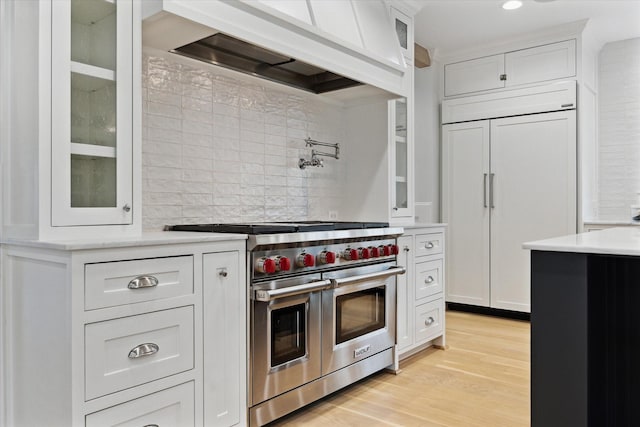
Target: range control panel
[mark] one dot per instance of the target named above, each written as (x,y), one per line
(315,258)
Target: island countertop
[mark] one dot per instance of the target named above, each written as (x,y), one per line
(612,241)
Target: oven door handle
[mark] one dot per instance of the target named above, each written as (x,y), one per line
(266,295)
(393,271)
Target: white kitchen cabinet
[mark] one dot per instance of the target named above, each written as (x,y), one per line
(91,135)
(225,344)
(125,361)
(404,296)
(420,310)
(521,67)
(401,158)
(403,25)
(171,407)
(474,75)
(506,181)
(157,345)
(82,109)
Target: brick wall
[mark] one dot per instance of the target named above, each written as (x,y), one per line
(619,129)
(222,147)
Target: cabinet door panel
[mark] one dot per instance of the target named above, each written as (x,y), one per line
(405,298)
(92,111)
(225,329)
(429,321)
(120,353)
(171,407)
(542,63)
(474,75)
(428,278)
(534,187)
(464,208)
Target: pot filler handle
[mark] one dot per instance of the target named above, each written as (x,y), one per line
(272,294)
(393,271)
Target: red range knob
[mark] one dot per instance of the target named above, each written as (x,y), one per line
(375,252)
(284,264)
(364,253)
(395,250)
(326,257)
(305,260)
(350,254)
(386,250)
(265,265)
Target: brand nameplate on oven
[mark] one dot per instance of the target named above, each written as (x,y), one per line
(362,350)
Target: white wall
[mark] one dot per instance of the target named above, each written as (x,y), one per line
(619,129)
(219,146)
(427,143)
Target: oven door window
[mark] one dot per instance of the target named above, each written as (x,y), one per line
(288,334)
(359,313)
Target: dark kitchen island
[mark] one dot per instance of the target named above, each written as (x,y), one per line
(585,329)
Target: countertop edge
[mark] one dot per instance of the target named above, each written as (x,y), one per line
(611,241)
(424,225)
(145,239)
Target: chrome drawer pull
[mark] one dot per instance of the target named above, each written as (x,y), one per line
(429,321)
(152,425)
(143,282)
(428,245)
(146,349)
(428,280)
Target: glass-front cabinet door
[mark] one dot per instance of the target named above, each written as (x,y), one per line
(401,158)
(91,112)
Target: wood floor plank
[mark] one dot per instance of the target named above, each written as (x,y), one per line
(482,379)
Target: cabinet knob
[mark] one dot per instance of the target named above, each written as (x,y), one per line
(428,280)
(395,208)
(406,249)
(429,321)
(428,245)
(126,208)
(223,272)
(146,349)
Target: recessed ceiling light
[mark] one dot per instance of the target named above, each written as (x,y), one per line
(511,4)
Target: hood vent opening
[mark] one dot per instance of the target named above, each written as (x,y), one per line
(229,52)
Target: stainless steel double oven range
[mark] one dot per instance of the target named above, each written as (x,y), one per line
(322,306)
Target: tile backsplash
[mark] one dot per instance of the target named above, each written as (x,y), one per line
(619,129)
(219,146)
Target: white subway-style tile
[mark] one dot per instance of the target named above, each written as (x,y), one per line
(220,149)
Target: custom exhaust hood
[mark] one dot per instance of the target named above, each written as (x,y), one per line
(229,52)
(357,57)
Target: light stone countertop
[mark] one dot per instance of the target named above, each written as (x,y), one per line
(145,239)
(611,241)
(609,222)
(424,225)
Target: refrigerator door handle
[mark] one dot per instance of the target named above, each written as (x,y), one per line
(484,188)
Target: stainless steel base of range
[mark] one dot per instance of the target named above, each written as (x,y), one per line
(288,402)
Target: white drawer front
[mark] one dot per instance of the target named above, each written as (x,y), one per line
(429,318)
(428,278)
(171,407)
(110,284)
(429,244)
(108,365)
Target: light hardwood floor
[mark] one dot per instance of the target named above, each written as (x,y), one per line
(482,379)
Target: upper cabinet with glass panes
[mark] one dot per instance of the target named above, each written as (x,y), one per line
(92,132)
(403,25)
